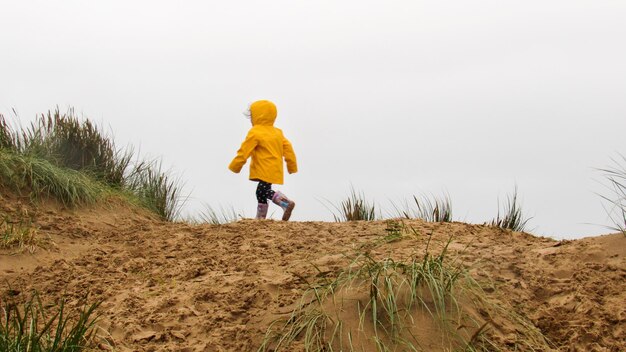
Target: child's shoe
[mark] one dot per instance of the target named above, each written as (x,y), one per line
(261,211)
(282,201)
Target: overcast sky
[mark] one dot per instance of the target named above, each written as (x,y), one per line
(397,98)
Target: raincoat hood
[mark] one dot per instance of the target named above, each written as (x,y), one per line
(263,113)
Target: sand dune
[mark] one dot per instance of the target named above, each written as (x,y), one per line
(181,287)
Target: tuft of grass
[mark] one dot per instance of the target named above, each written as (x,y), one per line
(40,178)
(156,189)
(8,137)
(393,230)
(616,209)
(511,217)
(19,234)
(217,217)
(355,208)
(427,208)
(30,327)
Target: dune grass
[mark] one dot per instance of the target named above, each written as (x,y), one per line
(8,139)
(156,189)
(354,208)
(40,178)
(19,235)
(616,209)
(31,327)
(69,142)
(427,208)
(511,217)
(389,305)
(211,215)
(73,161)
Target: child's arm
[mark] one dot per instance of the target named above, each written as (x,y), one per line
(290,157)
(243,153)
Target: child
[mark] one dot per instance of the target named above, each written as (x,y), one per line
(267,146)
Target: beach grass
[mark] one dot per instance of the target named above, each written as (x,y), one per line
(615,201)
(74,161)
(427,208)
(156,189)
(40,178)
(215,216)
(30,326)
(511,217)
(20,235)
(354,208)
(73,143)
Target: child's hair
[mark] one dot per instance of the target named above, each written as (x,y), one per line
(247,113)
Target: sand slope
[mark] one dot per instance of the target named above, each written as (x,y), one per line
(187,287)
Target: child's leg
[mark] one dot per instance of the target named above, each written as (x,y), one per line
(261,211)
(263,193)
(282,201)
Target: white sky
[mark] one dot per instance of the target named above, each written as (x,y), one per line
(394,97)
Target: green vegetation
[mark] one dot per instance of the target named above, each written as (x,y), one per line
(20,235)
(29,327)
(156,189)
(212,216)
(616,177)
(41,178)
(354,208)
(71,160)
(427,208)
(511,217)
(67,142)
(387,305)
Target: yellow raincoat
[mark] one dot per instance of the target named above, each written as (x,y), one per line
(267,146)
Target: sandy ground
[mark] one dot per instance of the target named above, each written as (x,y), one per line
(181,287)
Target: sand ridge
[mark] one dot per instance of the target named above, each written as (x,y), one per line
(181,287)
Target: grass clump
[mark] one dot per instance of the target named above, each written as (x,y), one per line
(156,189)
(214,216)
(420,304)
(8,138)
(19,234)
(40,178)
(31,327)
(72,160)
(427,208)
(71,143)
(355,208)
(511,217)
(616,209)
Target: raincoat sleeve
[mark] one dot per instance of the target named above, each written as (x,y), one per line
(290,157)
(243,153)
